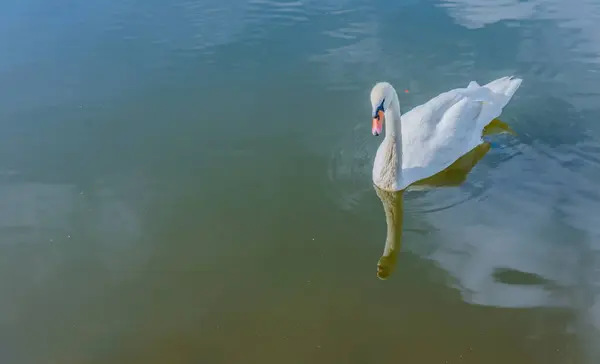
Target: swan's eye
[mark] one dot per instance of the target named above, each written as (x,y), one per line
(379,108)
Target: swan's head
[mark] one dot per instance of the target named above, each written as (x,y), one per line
(382,95)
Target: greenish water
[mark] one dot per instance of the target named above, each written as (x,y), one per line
(189,182)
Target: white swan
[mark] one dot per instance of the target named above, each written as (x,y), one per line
(430,137)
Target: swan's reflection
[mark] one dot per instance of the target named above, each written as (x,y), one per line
(454,175)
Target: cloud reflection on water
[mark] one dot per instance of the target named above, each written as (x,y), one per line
(561,46)
(535,219)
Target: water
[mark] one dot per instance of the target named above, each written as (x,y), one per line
(189,182)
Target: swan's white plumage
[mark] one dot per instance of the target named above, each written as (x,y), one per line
(431,136)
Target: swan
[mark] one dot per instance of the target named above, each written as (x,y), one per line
(431,136)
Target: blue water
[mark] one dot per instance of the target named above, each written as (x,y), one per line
(189,181)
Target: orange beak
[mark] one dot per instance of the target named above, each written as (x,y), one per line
(378,123)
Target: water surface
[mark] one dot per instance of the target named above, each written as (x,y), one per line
(189,182)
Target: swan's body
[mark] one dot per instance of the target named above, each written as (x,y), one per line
(430,137)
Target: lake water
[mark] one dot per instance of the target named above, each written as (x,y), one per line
(189,181)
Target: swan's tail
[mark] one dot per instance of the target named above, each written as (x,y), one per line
(505,85)
(498,92)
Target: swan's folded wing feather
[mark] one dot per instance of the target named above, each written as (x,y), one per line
(436,133)
(450,125)
(420,124)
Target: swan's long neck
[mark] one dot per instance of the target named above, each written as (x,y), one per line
(387,168)
(392,119)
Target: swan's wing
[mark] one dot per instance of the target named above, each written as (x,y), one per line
(438,132)
(450,125)
(431,135)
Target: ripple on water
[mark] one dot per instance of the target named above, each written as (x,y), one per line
(430,200)
(205,23)
(350,169)
(278,12)
(350,165)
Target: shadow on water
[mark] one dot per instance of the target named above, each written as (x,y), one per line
(393,202)
(453,176)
